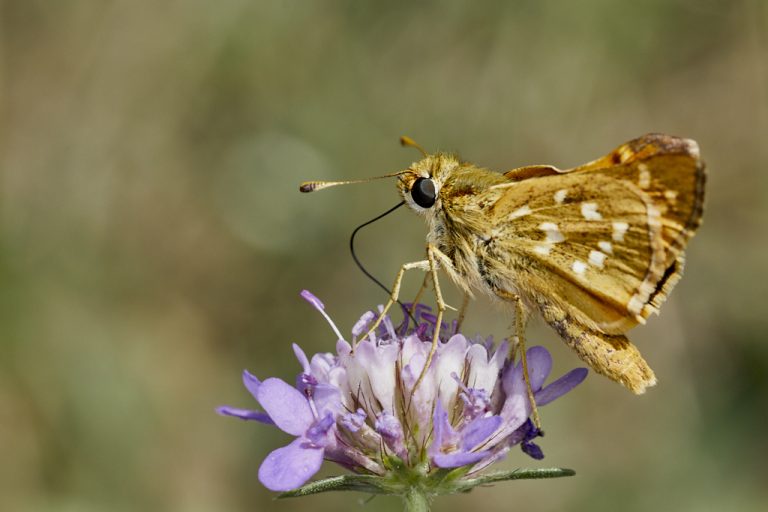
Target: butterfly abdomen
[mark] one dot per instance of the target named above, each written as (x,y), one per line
(611,355)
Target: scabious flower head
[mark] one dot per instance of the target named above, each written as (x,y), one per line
(361,407)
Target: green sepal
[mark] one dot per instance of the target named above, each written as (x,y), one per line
(467,484)
(441,482)
(360,483)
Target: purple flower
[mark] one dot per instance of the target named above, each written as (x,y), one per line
(360,406)
(251,384)
(291,466)
(453,448)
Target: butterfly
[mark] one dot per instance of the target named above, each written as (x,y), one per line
(594,250)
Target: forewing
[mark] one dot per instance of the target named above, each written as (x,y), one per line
(670,171)
(590,251)
(604,241)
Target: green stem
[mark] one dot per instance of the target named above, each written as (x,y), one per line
(416,500)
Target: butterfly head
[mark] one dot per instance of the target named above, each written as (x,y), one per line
(421,186)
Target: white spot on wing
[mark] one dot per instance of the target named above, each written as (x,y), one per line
(639,299)
(542,249)
(625,153)
(635,305)
(589,211)
(692,147)
(597,258)
(654,215)
(606,247)
(644,179)
(520,212)
(552,231)
(619,228)
(579,266)
(560,196)
(670,196)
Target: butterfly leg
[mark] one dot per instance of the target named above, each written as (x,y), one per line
(520,335)
(520,328)
(433,255)
(462,311)
(395,294)
(419,293)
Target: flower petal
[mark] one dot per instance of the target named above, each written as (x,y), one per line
(450,359)
(302,357)
(512,380)
(479,430)
(390,429)
(500,356)
(561,386)
(317,434)
(483,371)
(286,406)
(539,366)
(445,437)
(327,400)
(322,365)
(290,466)
(441,426)
(251,383)
(496,454)
(373,368)
(343,348)
(516,406)
(413,355)
(245,414)
(457,459)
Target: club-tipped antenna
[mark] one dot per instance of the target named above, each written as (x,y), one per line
(311,186)
(407,141)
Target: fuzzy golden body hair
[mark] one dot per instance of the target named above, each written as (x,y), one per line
(594,249)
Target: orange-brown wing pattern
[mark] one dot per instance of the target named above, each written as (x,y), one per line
(606,238)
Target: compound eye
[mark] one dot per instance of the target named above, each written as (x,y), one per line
(423,192)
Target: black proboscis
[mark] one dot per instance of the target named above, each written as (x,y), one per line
(360,265)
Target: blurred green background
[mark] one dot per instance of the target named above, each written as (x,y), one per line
(153,242)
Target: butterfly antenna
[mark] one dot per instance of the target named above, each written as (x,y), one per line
(407,141)
(311,186)
(360,264)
